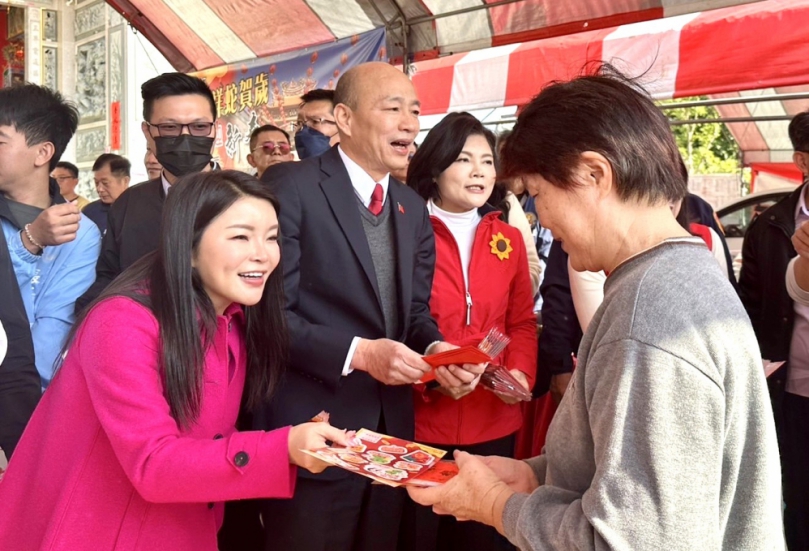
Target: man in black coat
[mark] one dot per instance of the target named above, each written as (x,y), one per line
(179,113)
(782,330)
(358,256)
(561,332)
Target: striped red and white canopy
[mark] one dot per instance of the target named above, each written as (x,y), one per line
(200,34)
(756,46)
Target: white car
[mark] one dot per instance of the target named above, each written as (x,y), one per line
(736,217)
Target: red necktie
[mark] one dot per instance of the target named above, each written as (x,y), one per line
(375,206)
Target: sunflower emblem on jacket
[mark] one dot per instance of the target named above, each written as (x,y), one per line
(501,246)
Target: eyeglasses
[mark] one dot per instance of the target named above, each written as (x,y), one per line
(269,147)
(63,178)
(314,123)
(174,129)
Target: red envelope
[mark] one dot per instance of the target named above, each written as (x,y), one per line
(440,473)
(459,356)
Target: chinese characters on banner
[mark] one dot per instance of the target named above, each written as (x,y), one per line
(269,90)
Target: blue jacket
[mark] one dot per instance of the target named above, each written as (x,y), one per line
(49,284)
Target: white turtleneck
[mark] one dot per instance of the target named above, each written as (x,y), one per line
(462,226)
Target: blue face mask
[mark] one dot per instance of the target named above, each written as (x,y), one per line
(311,143)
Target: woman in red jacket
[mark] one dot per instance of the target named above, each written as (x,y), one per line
(133,445)
(481,281)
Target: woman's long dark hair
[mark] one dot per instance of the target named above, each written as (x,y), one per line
(166,283)
(441,148)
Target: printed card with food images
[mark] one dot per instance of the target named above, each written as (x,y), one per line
(385,459)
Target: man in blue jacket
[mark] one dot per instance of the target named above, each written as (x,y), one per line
(49,250)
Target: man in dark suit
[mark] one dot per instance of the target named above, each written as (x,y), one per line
(178,113)
(111,176)
(358,256)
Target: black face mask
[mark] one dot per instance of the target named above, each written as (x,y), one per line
(310,142)
(183,154)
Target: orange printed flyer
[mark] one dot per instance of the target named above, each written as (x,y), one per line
(390,460)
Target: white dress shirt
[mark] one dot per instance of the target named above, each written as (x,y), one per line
(363,183)
(166,184)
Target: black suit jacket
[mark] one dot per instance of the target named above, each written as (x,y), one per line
(767,250)
(133,230)
(561,332)
(332,296)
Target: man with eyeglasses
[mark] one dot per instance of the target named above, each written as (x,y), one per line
(67,176)
(269,145)
(179,113)
(315,129)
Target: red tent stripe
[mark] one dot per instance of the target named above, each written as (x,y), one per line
(267,30)
(174,29)
(435,86)
(532,65)
(718,51)
(574,27)
(723,50)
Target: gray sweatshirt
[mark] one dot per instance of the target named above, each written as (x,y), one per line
(665,438)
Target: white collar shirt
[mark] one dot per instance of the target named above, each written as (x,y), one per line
(363,183)
(166,184)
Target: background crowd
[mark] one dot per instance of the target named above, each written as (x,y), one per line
(165,347)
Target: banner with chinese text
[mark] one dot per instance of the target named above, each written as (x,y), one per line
(269,90)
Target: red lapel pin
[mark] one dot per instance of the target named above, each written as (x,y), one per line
(401,208)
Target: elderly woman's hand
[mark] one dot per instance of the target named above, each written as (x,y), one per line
(476,493)
(517,474)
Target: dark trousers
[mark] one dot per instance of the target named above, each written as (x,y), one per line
(19,396)
(423,530)
(348,514)
(795,463)
(241,529)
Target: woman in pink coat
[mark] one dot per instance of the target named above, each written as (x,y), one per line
(134,444)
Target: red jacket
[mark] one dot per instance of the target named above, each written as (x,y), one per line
(500,293)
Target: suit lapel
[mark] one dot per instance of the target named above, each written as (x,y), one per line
(403,229)
(343,202)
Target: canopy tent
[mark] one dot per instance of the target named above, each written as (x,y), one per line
(774,176)
(680,51)
(200,34)
(764,142)
(754,46)
(753,51)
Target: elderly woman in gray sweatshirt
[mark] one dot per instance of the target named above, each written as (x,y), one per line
(665,437)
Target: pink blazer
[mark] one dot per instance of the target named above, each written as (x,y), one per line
(102,465)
